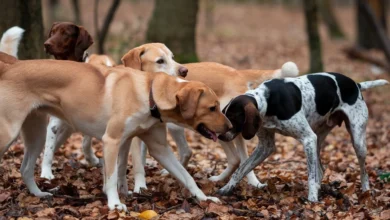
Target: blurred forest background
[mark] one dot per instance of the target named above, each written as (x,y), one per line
(347,36)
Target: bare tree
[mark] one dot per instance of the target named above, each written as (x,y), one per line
(174,23)
(330,20)
(76,9)
(102,33)
(27,15)
(367,37)
(314,40)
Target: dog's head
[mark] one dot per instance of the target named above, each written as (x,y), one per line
(153,57)
(67,41)
(243,113)
(193,104)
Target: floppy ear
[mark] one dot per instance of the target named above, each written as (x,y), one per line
(52,26)
(252,121)
(187,99)
(84,40)
(132,58)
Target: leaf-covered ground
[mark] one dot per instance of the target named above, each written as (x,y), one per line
(243,36)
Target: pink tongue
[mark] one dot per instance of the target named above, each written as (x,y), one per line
(214,136)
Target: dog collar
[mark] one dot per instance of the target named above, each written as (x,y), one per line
(152,105)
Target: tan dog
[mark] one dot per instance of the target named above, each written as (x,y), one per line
(227,83)
(114,108)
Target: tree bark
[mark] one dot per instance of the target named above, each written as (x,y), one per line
(76,9)
(27,15)
(366,32)
(102,34)
(311,19)
(174,23)
(328,15)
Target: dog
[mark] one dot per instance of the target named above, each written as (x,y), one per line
(59,131)
(306,108)
(227,83)
(114,109)
(10,40)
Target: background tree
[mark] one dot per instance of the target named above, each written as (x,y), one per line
(330,20)
(76,10)
(101,34)
(174,23)
(367,37)
(311,19)
(27,15)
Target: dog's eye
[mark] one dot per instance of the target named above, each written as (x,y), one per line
(213,108)
(160,61)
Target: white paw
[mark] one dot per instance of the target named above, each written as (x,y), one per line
(215,178)
(213,199)
(117,205)
(47,174)
(257,184)
(164,172)
(43,194)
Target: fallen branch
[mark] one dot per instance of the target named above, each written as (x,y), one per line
(355,53)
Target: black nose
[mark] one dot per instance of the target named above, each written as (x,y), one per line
(47,46)
(183,71)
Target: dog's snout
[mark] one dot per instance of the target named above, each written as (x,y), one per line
(183,71)
(47,45)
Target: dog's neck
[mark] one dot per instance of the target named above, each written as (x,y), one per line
(260,96)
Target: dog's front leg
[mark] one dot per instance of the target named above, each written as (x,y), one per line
(57,133)
(179,137)
(265,148)
(122,167)
(232,159)
(111,144)
(156,140)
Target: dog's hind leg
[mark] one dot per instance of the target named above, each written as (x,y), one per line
(356,126)
(321,133)
(233,161)
(57,133)
(265,147)
(33,134)
(243,153)
(89,155)
(179,137)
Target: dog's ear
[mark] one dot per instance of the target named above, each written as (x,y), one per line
(132,58)
(187,98)
(52,26)
(252,121)
(84,41)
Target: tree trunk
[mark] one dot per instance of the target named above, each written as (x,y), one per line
(102,34)
(330,20)
(366,33)
(209,13)
(27,15)
(76,9)
(311,17)
(174,23)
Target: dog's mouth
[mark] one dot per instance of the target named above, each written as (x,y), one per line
(207,133)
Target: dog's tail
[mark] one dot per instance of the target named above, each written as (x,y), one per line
(10,41)
(289,69)
(371,84)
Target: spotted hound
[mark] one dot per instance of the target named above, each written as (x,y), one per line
(306,108)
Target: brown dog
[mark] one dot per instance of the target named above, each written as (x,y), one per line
(67,41)
(227,83)
(114,108)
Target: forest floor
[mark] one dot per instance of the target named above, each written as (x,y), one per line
(243,36)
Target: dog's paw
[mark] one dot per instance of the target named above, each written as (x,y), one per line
(118,206)
(139,189)
(224,191)
(47,174)
(94,161)
(164,172)
(43,194)
(257,184)
(213,199)
(215,178)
